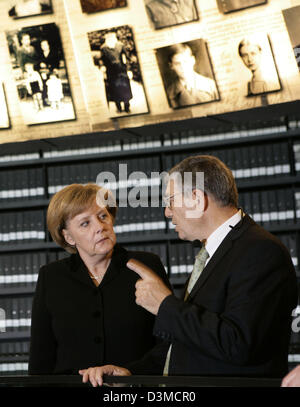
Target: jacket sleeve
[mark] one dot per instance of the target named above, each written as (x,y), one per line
(42,355)
(260,295)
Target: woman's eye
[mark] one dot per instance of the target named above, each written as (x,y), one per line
(84,224)
(103,217)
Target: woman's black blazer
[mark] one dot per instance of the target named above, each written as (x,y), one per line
(76,325)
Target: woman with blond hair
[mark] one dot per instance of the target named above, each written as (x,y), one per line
(84,310)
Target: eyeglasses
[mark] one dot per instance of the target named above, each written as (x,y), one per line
(168,200)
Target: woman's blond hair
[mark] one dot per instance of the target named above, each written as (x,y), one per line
(69,202)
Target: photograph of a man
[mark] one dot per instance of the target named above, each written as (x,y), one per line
(117,64)
(165,13)
(292,17)
(92,6)
(187,74)
(256,55)
(226,6)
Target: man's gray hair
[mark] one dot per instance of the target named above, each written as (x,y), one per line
(219,182)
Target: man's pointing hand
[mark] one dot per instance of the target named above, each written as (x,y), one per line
(150,289)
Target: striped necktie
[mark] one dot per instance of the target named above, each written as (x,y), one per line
(200,261)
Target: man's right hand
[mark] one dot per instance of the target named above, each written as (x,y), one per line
(95,374)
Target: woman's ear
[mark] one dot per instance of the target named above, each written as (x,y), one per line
(68,237)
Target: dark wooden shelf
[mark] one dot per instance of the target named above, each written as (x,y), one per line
(181,146)
(15,335)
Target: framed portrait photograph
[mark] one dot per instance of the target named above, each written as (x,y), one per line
(40,74)
(92,6)
(166,13)
(187,74)
(28,8)
(292,19)
(227,6)
(4,118)
(256,56)
(115,57)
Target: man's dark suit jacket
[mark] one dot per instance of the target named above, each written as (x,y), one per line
(237,319)
(76,325)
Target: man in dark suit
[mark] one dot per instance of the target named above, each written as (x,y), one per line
(235,316)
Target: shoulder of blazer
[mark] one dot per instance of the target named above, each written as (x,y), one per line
(62,264)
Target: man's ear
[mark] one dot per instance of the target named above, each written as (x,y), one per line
(200,199)
(68,237)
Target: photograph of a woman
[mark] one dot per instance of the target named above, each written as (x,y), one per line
(257,57)
(116,60)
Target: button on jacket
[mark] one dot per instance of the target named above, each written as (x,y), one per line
(76,325)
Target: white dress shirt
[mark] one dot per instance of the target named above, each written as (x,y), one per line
(217,237)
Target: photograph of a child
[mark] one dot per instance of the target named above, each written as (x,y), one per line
(92,6)
(28,8)
(4,119)
(187,74)
(292,18)
(40,74)
(227,6)
(116,60)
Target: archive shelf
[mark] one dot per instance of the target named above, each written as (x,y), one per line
(165,148)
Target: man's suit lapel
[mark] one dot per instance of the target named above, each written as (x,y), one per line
(224,247)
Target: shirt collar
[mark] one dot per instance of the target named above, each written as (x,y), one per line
(216,238)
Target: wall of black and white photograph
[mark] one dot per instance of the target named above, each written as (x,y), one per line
(40,74)
(115,56)
(28,8)
(292,20)
(167,13)
(257,58)
(4,118)
(187,74)
(227,6)
(92,6)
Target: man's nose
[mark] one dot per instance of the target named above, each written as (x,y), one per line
(168,212)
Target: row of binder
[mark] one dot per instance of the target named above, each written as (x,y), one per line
(160,249)
(23,183)
(22,227)
(246,162)
(21,269)
(13,368)
(267,207)
(139,221)
(123,143)
(271,207)
(18,348)
(116,174)
(15,313)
